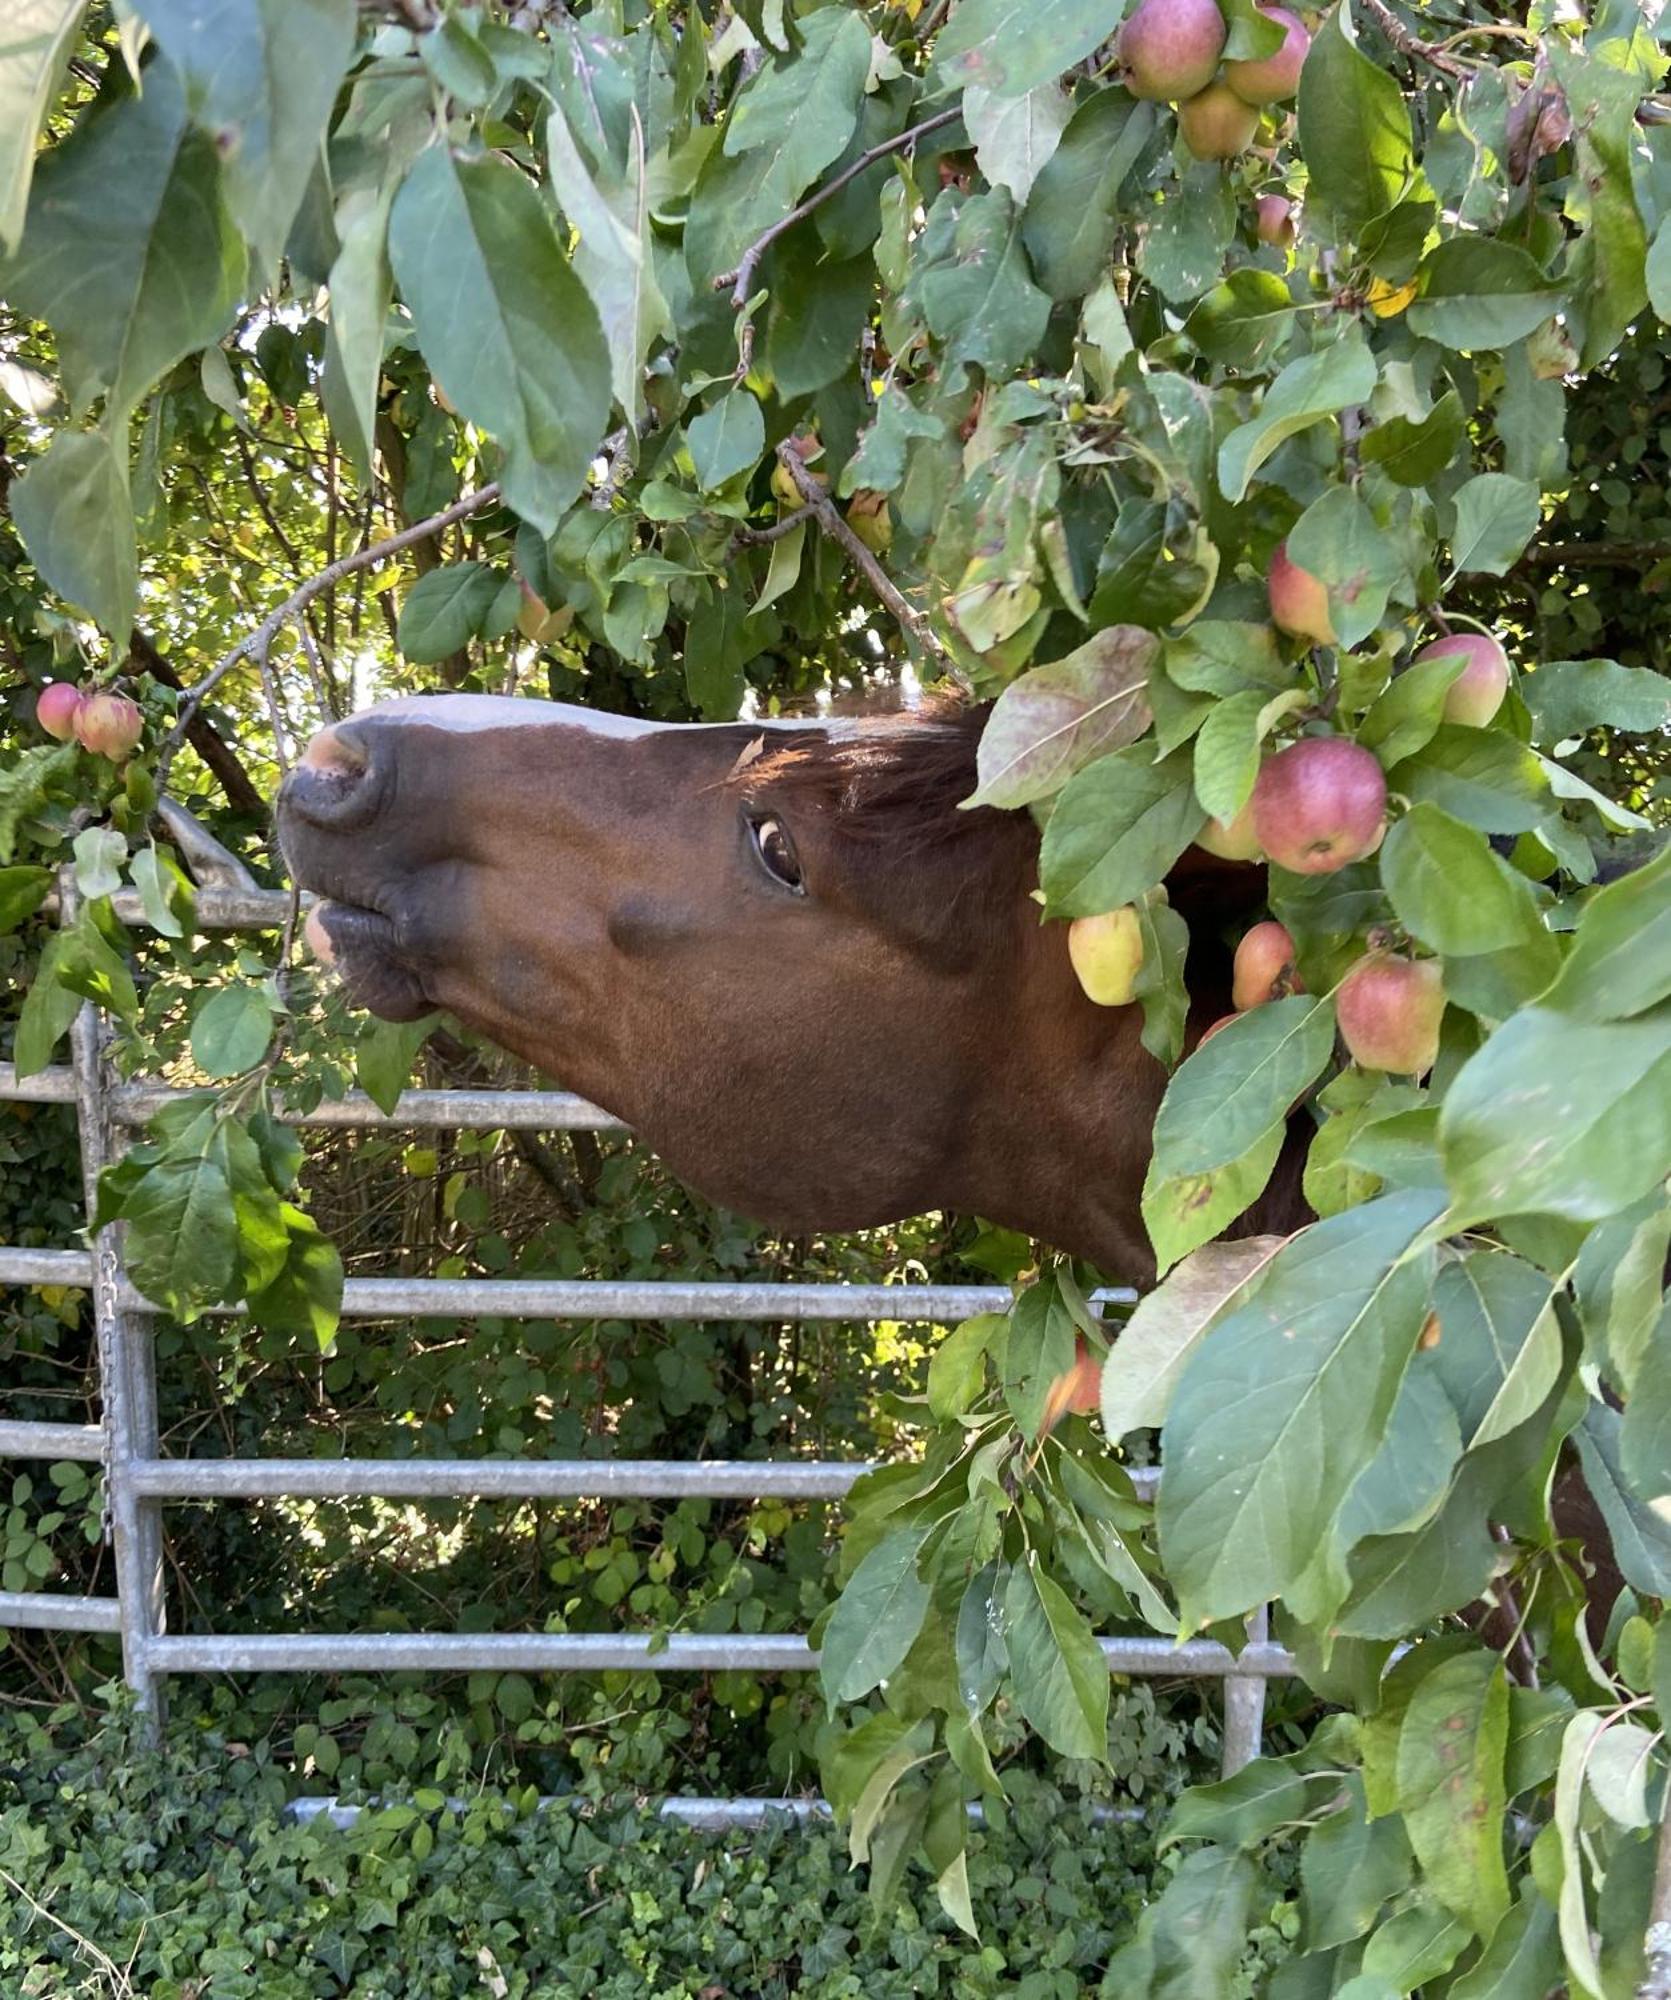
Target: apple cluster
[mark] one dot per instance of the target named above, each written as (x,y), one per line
(110,725)
(1171,51)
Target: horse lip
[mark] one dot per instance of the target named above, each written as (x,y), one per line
(358,944)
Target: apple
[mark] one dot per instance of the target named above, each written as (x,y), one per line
(1475,696)
(1273,220)
(1299,600)
(1170,48)
(1216,123)
(1268,79)
(1223,1021)
(869,517)
(1232,840)
(1107,955)
(1319,804)
(806,447)
(1077,1390)
(1389,1009)
(56,708)
(1264,967)
(109,724)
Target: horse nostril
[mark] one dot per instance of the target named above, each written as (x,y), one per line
(338,784)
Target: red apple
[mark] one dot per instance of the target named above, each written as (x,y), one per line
(1299,600)
(56,707)
(1274,220)
(1078,1390)
(1319,804)
(1475,696)
(1267,79)
(1170,48)
(109,724)
(1223,1021)
(1232,840)
(1216,124)
(1264,967)
(1107,955)
(1389,1009)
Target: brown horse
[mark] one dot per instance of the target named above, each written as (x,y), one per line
(780,952)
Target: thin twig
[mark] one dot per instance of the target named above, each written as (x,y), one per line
(107,1964)
(911,620)
(255,644)
(616,452)
(741,280)
(1411,45)
(754,537)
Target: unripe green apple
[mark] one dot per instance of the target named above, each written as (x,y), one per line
(1475,696)
(871,519)
(1319,804)
(1232,840)
(1264,967)
(1299,600)
(1170,48)
(1389,1010)
(56,707)
(1216,124)
(1269,79)
(1107,955)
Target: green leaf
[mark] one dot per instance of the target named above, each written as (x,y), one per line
(1143,1365)
(726,439)
(1569,697)
(1237,1084)
(128,252)
(1057,1669)
(1225,656)
(1181,249)
(182,1234)
(879,463)
(1182,1211)
(983,1654)
(38,38)
(1577,1743)
(1070,215)
(1450,1775)
(1340,541)
(1117,827)
(99,854)
(306,1296)
(1553,1117)
(261,77)
(1308,390)
(158,883)
(503,321)
(1414,1945)
(803,108)
(1226,758)
(1244,1810)
(1190,1941)
(1645,1435)
(1015,137)
(1038,1353)
(1406,715)
(1480,293)
(1354,130)
(72,510)
(1349,1866)
(1638,1525)
(1490,1306)
(1620,962)
(876,1618)
(1479,775)
(982,302)
(384,1055)
(48,1009)
(1240,322)
(1159,988)
(1276,1415)
(1415,451)
(231,1030)
(1012,46)
(1056,719)
(22,892)
(361,286)
(1495,518)
(445,609)
(1523,1959)
(957,1367)
(1449,890)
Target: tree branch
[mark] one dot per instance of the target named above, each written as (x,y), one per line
(1411,45)
(206,740)
(823,508)
(256,645)
(754,537)
(1594,555)
(741,280)
(1656,1983)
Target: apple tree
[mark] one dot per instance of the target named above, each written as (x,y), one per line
(1195,388)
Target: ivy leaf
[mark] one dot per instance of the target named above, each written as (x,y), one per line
(1012,46)
(1496,517)
(1354,130)
(1116,828)
(876,1618)
(1057,1669)
(503,321)
(726,439)
(1308,390)
(261,77)
(1275,1416)
(231,1030)
(128,252)
(1053,721)
(39,36)
(1479,293)
(72,510)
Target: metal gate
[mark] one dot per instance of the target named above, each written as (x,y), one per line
(139,1479)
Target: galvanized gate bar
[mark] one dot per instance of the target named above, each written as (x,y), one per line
(58,1611)
(598,1652)
(44,1440)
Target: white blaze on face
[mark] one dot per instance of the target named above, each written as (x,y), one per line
(315,938)
(469,714)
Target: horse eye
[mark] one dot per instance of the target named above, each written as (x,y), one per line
(777,853)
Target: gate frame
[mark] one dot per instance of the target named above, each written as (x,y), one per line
(138,1479)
